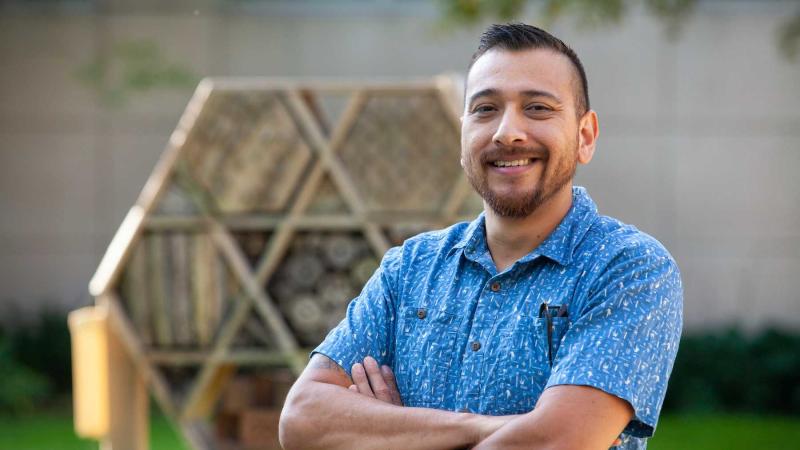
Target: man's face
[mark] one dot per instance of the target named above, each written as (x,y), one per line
(520,130)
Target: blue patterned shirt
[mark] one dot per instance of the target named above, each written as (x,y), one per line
(462,337)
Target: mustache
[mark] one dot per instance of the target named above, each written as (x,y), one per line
(503,152)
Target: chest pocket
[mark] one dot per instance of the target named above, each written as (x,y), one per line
(425,351)
(523,364)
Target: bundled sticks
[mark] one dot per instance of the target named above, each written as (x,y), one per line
(319,276)
(176,289)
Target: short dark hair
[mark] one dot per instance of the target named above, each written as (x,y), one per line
(520,36)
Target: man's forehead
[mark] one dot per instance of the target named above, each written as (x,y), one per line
(516,71)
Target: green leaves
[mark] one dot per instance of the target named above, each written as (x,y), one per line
(133,67)
(22,388)
(789,37)
(465,12)
(730,371)
(34,361)
(588,13)
(595,14)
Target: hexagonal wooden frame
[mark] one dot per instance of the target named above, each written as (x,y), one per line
(219,363)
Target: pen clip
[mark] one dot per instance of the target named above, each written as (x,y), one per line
(544,310)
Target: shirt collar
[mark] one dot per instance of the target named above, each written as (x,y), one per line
(474,231)
(560,244)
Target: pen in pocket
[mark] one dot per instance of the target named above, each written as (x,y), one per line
(547,312)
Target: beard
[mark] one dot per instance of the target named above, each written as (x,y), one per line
(523,204)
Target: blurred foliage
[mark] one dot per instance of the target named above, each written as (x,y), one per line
(34,362)
(588,13)
(22,388)
(132,67)
(597,13)
(729,371)
(789,37)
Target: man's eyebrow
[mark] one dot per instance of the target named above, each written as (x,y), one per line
(489,92)
(538,93)
(484,93)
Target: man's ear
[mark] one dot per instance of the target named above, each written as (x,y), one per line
(461,121)
(588,130)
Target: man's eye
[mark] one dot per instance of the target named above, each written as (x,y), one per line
(483,109)
(539,107)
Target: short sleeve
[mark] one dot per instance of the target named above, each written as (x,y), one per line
(368,327)
(626,337)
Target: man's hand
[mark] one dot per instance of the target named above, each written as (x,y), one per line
(320,412)
(377,382)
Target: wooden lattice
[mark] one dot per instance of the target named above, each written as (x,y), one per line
(267,213)
(400,144)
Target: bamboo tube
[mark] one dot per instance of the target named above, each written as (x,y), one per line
(335,291)
(137,296)
(363,269)
(340,251)
(180,301)
(306,315)
(303,270)
(204,287)
(160,313)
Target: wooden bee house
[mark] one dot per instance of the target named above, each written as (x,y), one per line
(268,211)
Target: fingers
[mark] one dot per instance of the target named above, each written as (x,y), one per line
(376,381)
(388,376)
(360,380)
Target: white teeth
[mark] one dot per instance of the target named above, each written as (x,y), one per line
(519,162)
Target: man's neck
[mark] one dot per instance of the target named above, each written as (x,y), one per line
(509,239)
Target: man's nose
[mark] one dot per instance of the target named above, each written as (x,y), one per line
(511,129)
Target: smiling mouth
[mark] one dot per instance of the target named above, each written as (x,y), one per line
(515,163)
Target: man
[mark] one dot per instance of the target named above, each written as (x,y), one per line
(539,325)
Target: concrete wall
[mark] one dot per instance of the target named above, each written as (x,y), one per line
(699,142)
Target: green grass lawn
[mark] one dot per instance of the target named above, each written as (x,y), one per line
(53,431)
(726,432)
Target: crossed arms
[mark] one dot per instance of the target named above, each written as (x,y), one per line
(326,409)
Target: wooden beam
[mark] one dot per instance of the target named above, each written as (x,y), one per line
(321,85)
(113,260)
(283,336)
(120,323)
(254,356)
(197,395)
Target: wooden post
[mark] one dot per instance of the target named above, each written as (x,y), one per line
(110,394)
(129,401)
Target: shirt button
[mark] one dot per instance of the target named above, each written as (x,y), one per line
(421,313)
(495,286)
(476,346)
